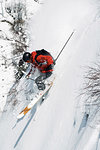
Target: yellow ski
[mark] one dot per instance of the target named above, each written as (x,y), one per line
(35,100)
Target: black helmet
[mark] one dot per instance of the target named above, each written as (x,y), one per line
(26,56)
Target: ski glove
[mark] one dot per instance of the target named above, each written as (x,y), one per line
(21,62)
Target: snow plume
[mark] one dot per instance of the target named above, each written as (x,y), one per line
(14,40)
(6,70)
(62,121)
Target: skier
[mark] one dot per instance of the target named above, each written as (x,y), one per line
(42,60)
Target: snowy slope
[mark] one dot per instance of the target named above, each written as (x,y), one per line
(57,125)
(6,69)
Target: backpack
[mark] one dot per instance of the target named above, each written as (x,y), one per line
(43,52)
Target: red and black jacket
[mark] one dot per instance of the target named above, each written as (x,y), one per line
(42,60)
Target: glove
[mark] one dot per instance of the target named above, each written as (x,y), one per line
(21,62)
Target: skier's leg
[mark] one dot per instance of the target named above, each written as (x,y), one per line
(40,80)
(48,74)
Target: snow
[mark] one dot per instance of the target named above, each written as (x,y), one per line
(61,122)
(6,73)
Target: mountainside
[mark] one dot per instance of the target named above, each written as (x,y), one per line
(62,121)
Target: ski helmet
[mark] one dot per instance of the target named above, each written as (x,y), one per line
(26,56)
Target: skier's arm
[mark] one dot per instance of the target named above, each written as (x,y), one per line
(48,69)
(29,73)
(31,70)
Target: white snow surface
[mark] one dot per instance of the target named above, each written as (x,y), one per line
(57,123)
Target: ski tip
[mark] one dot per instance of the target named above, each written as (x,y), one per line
(20,116)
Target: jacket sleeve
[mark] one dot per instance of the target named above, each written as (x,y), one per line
(48,68)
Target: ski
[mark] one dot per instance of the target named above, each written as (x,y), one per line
(37,97)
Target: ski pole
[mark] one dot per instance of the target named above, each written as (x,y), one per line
(64,45)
